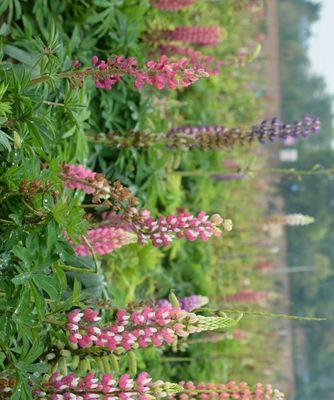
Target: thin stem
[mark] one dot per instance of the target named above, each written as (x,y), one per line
(91,250)
(272,315)
(52,103)
(76,269)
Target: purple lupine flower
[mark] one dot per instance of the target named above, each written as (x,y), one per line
(188,303)
(215,136)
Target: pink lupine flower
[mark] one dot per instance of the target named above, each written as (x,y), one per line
(105,387)
(160,74)
(82,178)
(171,5)
(164,73)
(103,240)
(163,230)
(199,35)
(228,391)
(146,326)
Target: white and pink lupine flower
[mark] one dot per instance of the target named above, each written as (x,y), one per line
(226,391)
(163,230)
(105,387)
(146,326)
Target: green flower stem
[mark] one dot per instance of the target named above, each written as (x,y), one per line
(76,269)
(271,315)
(52,103)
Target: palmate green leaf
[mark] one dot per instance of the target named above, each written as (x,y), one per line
(32,352)
(51,236)
(48,283)
(22,390)
(39,300)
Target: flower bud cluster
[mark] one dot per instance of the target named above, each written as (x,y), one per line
(81,178)
(146,326)
(164,73)
(105,387)
(163,230)
(107,74)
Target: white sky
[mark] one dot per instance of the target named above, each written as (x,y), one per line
(321,48)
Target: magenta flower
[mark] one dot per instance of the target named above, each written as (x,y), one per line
(160,74)
(163,74)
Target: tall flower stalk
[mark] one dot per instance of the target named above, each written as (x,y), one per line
(215,136)
(105,74)
(143,327)
(117,230)
(200,35)
(297,219)
(228,391)
(108,387)
(105,387)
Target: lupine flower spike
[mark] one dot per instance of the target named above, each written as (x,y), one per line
(229,391)
(290,220)
(163,230)
(160,74)
(146,326)
(103,240)
(105,387)
(216,137)
(200,35)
